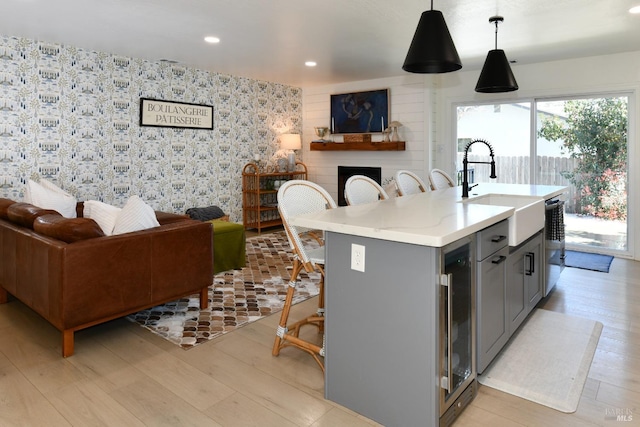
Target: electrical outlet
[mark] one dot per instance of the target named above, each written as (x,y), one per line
(357,257)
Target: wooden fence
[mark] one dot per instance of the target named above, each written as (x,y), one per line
(515,170)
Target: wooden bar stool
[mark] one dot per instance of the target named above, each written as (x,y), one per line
(297,197)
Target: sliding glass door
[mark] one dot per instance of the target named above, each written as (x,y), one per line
(507,127)
(581,143)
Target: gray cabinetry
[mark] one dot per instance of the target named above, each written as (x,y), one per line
(524,280)
(492,327)
(534,282)
(516,307)
(385,367)
(413,365)
(509,284)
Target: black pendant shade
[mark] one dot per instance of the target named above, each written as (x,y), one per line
(432,49)
(496,75)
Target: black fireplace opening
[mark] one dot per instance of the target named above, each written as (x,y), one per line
(345,172)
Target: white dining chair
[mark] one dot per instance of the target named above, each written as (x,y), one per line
(297,197)
(360,189)
(439,179)
(409,183)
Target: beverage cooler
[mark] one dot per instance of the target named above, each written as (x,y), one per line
(457,359)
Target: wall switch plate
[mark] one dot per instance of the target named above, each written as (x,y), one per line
(357,257)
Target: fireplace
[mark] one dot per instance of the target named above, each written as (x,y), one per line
(345,172)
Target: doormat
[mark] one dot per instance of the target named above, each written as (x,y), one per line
(547,361)
(588,261)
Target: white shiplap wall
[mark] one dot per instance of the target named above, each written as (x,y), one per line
(409,102)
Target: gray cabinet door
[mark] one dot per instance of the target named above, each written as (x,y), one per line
(524,281)
(516,304)
(533,272)
(493,331)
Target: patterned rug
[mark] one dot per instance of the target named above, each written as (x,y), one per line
(236,298)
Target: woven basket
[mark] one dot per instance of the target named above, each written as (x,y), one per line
(363,137)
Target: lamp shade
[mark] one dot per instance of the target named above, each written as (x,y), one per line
(290,141)
(432,49)
(496,75)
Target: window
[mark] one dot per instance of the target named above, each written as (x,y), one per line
(507,128)
(580,143)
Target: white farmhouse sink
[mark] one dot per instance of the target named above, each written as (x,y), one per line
(527,219)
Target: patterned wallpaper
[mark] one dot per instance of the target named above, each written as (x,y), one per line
(72,116)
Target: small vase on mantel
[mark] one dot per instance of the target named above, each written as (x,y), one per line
(394,125)
(394,134)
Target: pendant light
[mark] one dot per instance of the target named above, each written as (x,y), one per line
(432,49)
(496,75)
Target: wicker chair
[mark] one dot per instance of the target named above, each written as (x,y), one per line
(360,189)
(298,197)
(438,179)
(409,183)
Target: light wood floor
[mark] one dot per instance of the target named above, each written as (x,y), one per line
(123,375)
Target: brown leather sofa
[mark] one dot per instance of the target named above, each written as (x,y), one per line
(75,277)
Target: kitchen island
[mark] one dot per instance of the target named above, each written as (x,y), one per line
(387,356)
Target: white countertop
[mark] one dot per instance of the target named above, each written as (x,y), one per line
(433,218)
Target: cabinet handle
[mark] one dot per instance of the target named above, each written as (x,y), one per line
(446,382)
(496,239)
(499,259)
(530,256)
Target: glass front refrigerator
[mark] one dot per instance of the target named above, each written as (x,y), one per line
(458,384)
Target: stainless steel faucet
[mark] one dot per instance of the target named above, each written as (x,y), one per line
(465,162)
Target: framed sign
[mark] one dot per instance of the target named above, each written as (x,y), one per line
(154,112)
(360,112)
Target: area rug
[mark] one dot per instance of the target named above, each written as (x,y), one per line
(588,261)
(547,361)
(236,298)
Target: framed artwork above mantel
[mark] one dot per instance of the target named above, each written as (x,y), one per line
(360,112)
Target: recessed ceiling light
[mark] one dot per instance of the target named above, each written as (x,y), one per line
(310,63)
(211,39)
(635,9)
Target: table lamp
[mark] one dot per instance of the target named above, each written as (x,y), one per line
(290,142)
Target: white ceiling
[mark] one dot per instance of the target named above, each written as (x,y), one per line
(349,39)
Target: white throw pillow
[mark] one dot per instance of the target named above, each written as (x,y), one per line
(102,213)
(135,215)
(51,186)
(47,195)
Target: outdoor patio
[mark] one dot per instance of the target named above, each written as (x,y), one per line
(597,234)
